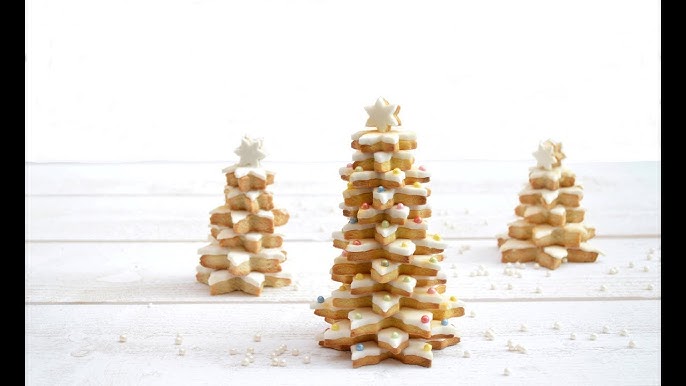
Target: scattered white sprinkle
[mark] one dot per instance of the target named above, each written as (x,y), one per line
(178,340)
(506,371)
(245,362)
(572,336)
(282,362)
(257,337)
(538,290)
(523,328)
(508,265)
(606,329)
(306,358)
(250,350)
(632,344)
(233,351)
(274,354)
(275,361)
(557,325)
(613,271)
(650,256)
(122,338)
(593,336)
(509,286)
(631,264)
(295,352)
(466,354)
(250,357)
(650,287)
(646,269)
(295,287)
(603,287)
(492,286)
(547,274)
(508,271)
(624,332)
(509,343)
(520,348)
(518,274)
(518,265)
(489,334)
(537,266)
(472,314)
(565,260)
(182,351)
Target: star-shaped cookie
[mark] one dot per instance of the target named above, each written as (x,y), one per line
(382,115)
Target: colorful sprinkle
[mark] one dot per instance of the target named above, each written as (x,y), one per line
(427,347)
(358,315)
(380,189)
(453,298)
(422,168)
(385,263)
(433,259)
(335,327)
(395,335)
(403,245)
(342,288)
(344,253)
(406,279)
(437,237)
(353,220)
(359,276)
(364,205)
(417,185)
(350,185)
(320,299)
(400,206)
(387,298)
(385,224)
(425,319)
(444,322)
(396,171)
(431,290)
(359,169)
(359,347)
(357,242)
(417,220)
(349,166)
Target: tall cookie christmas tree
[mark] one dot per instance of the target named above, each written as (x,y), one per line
(391,301)
(245,253)
(551,227)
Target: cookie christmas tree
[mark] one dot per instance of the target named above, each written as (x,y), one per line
(551,228)
(245,253)
(391,301)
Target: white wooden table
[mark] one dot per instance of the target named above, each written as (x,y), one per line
(111,250)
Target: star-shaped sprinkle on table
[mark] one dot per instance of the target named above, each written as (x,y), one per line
(545,156)
(382,115)
(250,152)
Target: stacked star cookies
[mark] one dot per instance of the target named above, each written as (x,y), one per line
(551,227)
(391,302)
(245,253)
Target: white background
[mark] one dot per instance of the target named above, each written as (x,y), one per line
(183,80)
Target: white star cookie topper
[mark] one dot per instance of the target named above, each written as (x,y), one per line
(545,155)
(382,115)
(250,152)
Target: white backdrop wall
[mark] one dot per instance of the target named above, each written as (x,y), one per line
(183,80)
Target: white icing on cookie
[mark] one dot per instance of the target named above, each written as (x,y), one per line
(422,295)
(392,336)
(355,192)
(556,251)
(437,328)
(364,175)
(398,211)
(405,283)
(412,190)
(412,317)
(395,175)
(384,300)
(360,156)
(384,195)
(402,247)
(364,246)
(253,278)
(382,115)
(416,348)
(387,231)
(417,173)
(361,317)
(213,249)
(378,266)
(371,348)
(223,209)
(433,241)
(356,227)
(342,330)
(544,156)
(381,157)
(203,270)
(516,244)
(362,281)
(586,247)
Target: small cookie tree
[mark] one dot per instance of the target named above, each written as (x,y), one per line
(244,253)
(391,302)
(551,228)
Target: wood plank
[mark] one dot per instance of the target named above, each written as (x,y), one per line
(102,272)
(78,344)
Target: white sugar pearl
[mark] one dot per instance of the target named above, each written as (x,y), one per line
(606,330)
(509,343)
(649,256)
(472,314)
(565,260)
(122,338)
(250,358)
(274,354)
(613,271)
(519,275)
(518,265)
(520,348)
(511,348)
(178,340)
(182,351)
(506,371)
(632,344)
(508,265)
(556,325)
(631,264)
(250,350)
(295,287)
(624,332)
(306,358)
(523,328)
(537,266)
(572,336)
(275,361)
(466,354)
(509,286)
(245,362)
(282,362)
(538,290)
(233,351)
(593,336)
(646,269)
(650,287)
(257,337)
(603,287)
(547,274)
(295,352)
